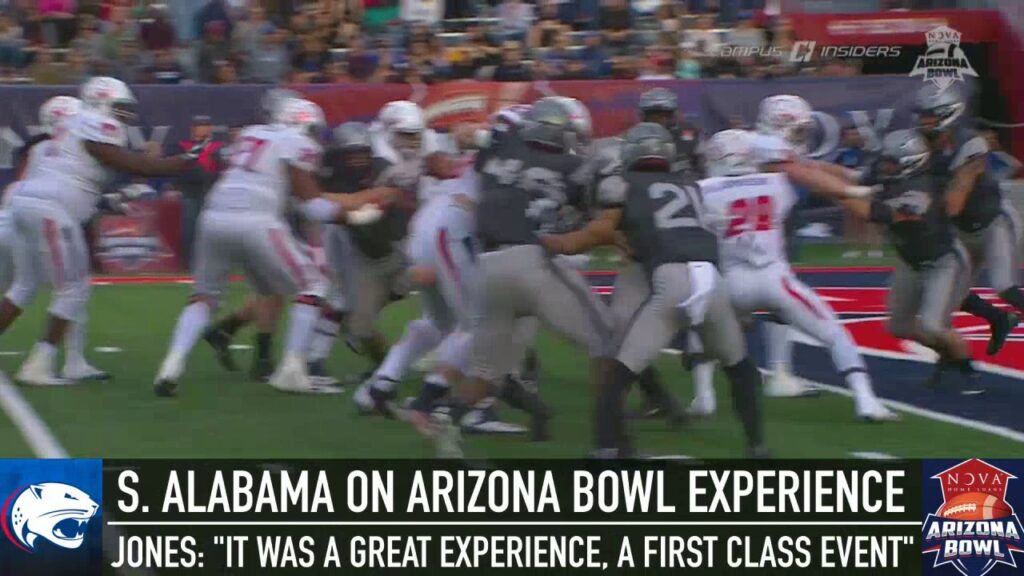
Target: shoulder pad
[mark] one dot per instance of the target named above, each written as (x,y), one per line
(98,128)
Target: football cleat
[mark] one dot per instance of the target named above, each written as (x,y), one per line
(291,377)
(1000,331)
(701,407)
(82,371)
(166,383)
(782,384)
(319,375)
(220,341)
(484,420)
(877,413)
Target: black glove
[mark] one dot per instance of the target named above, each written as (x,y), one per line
(197,148)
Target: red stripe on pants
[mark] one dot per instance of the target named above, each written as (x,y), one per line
(52,232)
(280,244)
(446,256)
(801,298)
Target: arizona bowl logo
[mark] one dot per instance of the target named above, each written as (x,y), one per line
(975,529)
(56,512)
(944,63)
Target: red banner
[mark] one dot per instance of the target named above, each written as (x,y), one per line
(900,28)
(144,241)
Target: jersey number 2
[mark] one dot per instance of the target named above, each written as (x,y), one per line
(749,215)
(678,212)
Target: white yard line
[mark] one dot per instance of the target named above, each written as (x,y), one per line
(36,433)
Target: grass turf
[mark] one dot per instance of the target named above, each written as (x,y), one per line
(219,414)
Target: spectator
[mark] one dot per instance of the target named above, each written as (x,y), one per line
(657,66)
(214,13)
(165,69)
(687,65)
(851,153)
(860,236)
(361,64)
(623,68)
(11,43)
(157,31)
(213,48)
(346,29)
(426,11)
(129,62)
(247,38)
(44,70)
(226,72)
(555,62)
(336,72)
(483,51)
(198,181)
(88,41)
(704,38)
(593,56)
(309,61)
(515,19)
(547,26)
(616,25)
(270,62)
(77,68)
(747,35)
(512,68)
(58,21)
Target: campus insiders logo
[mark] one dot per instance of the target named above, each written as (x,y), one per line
(52,511)
(944,61)
(975,529)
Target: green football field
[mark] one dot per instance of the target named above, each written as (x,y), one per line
(219,414)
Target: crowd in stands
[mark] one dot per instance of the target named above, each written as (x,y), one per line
(407,41)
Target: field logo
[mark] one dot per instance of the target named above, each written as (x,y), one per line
(944,62)
(59,513)
(975,529)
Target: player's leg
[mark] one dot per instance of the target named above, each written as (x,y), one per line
(66,258)
(371,293)
(29,268)
(802,308)
(631,289)
(723,340)
(215,250)
(11,245)
(277,264)
(76,367)
(220,333)
(994,248)
(1002,257)
(942,286)
(704,402)
(266,314)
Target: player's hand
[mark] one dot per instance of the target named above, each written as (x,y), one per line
(364,215)
(553,244)
(861,191)
(197,148)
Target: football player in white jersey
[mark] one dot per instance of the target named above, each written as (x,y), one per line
(57,195)
(243,224)
(54,114)
(748,209)
(784,128)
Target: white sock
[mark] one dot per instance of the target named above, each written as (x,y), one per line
(703,382)
(778,346)
(191,323)
(46,349)
(860,385)
(301,321)
(324,335)
(455,350)
(420,337)
(74,343)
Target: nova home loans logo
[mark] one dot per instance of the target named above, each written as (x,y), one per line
(944,62)
(974,529)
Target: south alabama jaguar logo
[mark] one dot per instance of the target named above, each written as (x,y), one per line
(59,513)
(975,529)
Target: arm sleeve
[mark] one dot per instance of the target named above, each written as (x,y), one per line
(611,192)
(974,147)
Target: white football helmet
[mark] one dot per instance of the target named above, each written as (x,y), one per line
(403,123)
(730,153)
(56,111)
(789,118)
(304,115)
(579,119)
(110,97)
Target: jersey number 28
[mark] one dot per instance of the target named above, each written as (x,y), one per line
(749,215)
